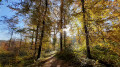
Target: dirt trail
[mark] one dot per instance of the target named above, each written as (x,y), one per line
(53,62)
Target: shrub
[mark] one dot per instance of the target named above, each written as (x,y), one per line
(7,58)
(105,55)
(68,55)
(22,53)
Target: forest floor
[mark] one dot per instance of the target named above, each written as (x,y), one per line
(51,62)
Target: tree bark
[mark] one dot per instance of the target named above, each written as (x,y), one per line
(54,39)
(41,39)
(61,21)
(64,34)
(36,39)
(64,39)
(25,42)
(61,41)
(21,39)
(43,29)
(32,39)
(10,39)
(86,31)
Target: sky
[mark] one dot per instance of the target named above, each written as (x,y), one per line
(5,11)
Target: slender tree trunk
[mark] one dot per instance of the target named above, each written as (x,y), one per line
(32,39)
(25,42)
(64,36)
(64,32)
(36,38)
(41,39)
(78,36)
(54,39)
(10,39)
(61,21)
(21,39)
(61,41)
(64,39)
(42,32)
(86,31)
(79,40)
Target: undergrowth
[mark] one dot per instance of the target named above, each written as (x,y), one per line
(75,59)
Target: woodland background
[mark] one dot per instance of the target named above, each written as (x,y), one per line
(81,32)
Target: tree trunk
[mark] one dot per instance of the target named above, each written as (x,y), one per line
(64,39)
(36,39)
(32,39)
(25,42)
(79,40)
(61,41)
(43,29)
(64,32)
(86,31)
(21,39)
(41,39)
(10,39)
(61,12)
(54,39)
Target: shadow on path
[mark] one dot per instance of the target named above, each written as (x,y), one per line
(53,62)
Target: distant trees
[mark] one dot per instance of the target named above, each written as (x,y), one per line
(33,33)
(11,24)
(64,20)
(21,32)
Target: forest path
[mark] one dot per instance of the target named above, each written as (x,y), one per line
(54,62)
(51,61)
